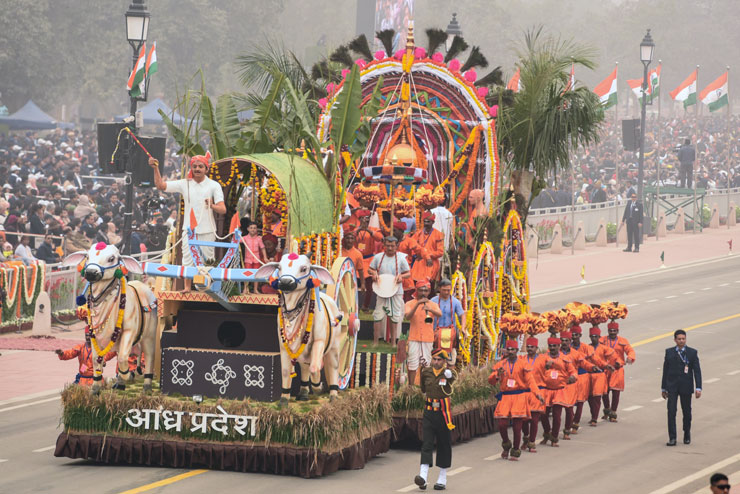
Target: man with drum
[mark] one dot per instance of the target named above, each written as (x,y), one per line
(445,328)
(388,269)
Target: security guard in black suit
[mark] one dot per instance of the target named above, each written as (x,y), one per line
(633,218)
(680,370)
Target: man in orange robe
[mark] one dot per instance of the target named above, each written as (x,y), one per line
(83,352)
(408,246)
(432,248)
(349,250)
(555,371)
(536,408)
(366,241)
(517,383)
(572,389)
(604,358)
(625,355)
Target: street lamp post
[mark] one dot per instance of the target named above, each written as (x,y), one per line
(646,56)
(137,27)
(453,29)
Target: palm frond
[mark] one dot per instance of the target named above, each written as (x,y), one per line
(257,68)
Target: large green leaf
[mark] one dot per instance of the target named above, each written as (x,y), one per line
(187,146)
(227,122)
(304,126)
(264,116)
(208,115)
(346,113)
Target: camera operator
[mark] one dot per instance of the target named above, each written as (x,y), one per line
(687,157)
(419,312)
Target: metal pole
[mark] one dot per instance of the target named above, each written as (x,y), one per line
(641,165)
(128,213)
(616,162)
(696,166)
(657,171)
(729,143)
(573,211)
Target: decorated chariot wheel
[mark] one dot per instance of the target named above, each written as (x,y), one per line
(344,293)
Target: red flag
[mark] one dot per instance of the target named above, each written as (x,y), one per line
(234,223)
(193,221)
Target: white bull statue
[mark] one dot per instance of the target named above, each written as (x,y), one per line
(110,299)
(308,324)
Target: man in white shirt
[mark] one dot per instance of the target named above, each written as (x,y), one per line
(202,197)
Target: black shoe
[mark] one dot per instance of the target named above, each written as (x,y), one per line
(418,480)
(637,250)
(440,487)
(671,442)
(627,250)
(687,438)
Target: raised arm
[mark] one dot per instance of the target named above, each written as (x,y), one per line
(158,181)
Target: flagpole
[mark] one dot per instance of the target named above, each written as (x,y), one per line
(729,142)
(657,161)
(616,157)
(697,166)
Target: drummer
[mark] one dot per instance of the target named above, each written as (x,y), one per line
(389,262)
(452,319)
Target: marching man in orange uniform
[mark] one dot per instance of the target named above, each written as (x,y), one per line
(536,407)
(625,354)
(555,371)
(83,352)
(573,390)
(583,385)
(517,383)
(431,249)
(603,357)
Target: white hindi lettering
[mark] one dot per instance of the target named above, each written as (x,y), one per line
(149,419)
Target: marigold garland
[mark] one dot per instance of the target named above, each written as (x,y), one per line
(90,330)
(307,333)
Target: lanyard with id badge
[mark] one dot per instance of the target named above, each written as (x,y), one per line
(684,360)
(511,382)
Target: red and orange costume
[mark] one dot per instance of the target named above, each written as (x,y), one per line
(84,355)
(615,378)
(431,248)
(601,357)
(536,407)
(554,372)
(583,385)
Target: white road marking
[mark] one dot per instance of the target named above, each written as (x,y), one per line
(41,450)
(632,408)
(29,397)
(706,288)
(651,301)
(492,457)
(408,488)
(2,460)
(712,380)
(633,305)
(697,475)
(671,296)
(28,404)
(688,293)
(733,373)
(724,284)
(458,470)
(658,400)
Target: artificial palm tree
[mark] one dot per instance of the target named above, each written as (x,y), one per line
(546,119)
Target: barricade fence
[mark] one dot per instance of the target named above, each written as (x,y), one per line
(543,220)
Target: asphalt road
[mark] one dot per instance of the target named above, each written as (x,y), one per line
(629,456)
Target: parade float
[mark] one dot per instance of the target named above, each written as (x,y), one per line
(429,128)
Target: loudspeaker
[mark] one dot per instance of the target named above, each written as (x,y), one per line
(631,134)
(128,153)
(218,330)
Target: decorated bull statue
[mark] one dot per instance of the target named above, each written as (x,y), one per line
(308,324)
(119,313)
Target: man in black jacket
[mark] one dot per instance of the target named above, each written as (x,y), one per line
(686,156)
(632,217)
(680,370)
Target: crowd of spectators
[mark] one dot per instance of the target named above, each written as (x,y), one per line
(50,207)
(595,167)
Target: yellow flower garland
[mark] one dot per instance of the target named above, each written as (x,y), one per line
(309,327)
(119,324)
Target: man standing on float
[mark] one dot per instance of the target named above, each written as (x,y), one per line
(202,197)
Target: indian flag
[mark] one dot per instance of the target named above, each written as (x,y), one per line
(686,92)
(514,83)
(636,86)
(606,90)
(572,79)
(151,61)
(715,94)
(138,74)
(654,78)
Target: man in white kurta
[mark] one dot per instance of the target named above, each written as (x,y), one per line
(202,197)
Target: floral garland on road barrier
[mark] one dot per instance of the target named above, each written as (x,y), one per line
(16,278)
